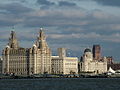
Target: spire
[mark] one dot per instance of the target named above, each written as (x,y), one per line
(41,34)
(41,40)
(13,43)
(13,35)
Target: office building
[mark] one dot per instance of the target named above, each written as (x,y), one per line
(96,52)
(89,64)
(62,64)
(27,61)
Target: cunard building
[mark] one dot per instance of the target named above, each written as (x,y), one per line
(89,65)
(27,61)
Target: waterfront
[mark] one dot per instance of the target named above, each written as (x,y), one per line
(61,84)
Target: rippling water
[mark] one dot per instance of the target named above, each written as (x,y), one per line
(61,84)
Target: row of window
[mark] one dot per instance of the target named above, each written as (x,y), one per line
(18,70)
(70,63)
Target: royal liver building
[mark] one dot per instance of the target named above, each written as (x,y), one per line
(27,61)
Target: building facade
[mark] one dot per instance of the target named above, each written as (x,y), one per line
(62,64)
(96,52)
(110,60)
(88,64)
(42,55)
(27,61)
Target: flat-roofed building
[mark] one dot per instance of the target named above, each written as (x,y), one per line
(96,52)
(64,65)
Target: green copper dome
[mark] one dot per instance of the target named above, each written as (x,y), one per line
(87,50)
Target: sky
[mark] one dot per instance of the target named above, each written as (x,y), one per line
(71,24)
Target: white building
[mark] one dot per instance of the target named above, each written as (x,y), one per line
(88,64)
(64,65)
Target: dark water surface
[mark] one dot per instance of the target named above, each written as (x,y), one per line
(61,84)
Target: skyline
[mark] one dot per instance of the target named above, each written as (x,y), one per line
(75,24)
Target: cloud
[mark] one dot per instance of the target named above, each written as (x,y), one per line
(66,4)
(98,14)
(45,2)
(12,14)
(74,35)
(66,25)
(115,38)
(4,35)
(12,1)
(58,17)
(80,20)
(109,2)
(15,8)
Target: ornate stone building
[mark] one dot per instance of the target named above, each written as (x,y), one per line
(89,64)
(62,64)
(27,61)
(42,55)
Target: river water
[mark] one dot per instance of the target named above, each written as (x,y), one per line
(61,84)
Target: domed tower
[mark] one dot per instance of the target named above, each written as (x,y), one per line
(41,40)
(15,58)
(42,63)
(86,60)
(87,55)
(13,42)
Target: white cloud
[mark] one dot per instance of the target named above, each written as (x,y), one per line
(100,15)
(74,35)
